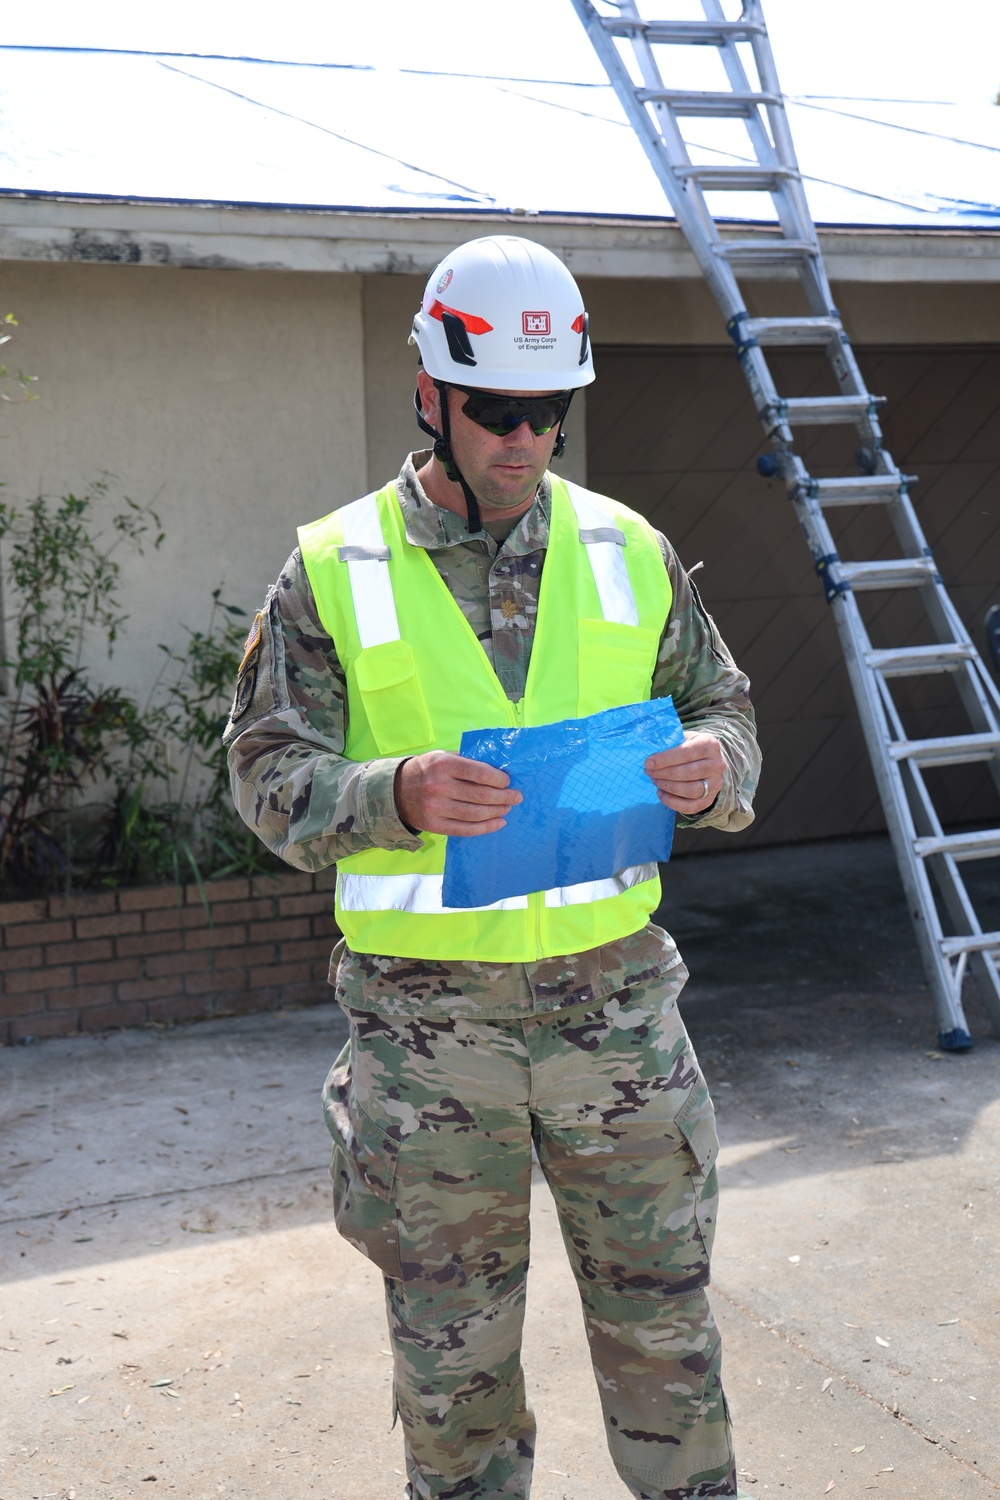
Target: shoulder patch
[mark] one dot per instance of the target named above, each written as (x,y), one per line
(246,682)
(252,641)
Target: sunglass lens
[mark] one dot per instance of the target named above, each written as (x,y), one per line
(501,414)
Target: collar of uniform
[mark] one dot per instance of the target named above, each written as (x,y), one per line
(431,526)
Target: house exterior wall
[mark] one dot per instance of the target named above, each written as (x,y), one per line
(242,402)
(233,403)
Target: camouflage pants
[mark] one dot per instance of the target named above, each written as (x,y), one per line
(432,1122)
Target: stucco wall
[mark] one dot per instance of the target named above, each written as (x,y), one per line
(242,402)
(234,402)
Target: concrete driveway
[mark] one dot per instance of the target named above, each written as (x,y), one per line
(177,1312)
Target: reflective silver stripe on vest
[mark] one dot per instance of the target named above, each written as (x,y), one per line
(600,890)
(371,586)
(418,894)
(607,558)
(421,894)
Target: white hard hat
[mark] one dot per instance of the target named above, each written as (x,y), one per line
(503,313)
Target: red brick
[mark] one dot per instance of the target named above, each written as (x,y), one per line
(217,937)
(13,912)
(245,1002)
(42,1027)
(181,1008)
(310,992)
(148,989)
(116,968)
(255,953)
(282,885)
(104,1017)
(326,926)
(150,897)
(219,890)
(111,926)
(321,970)
(279,974)
(176,963)
(325,880)
(22,1005)
(241,911)
(307,948)
(25,981)
(84,904)
(265,931)
(211,982)
(137,945)
(175,919)
(297,906)
(20,958)
(41,932)
(79,952)
(76,997)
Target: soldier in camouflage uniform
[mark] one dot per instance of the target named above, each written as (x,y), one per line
(456,1068)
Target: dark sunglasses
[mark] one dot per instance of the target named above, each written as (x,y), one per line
(501,414)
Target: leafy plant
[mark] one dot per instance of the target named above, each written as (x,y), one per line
(173,816)
(94,787)
(57,730)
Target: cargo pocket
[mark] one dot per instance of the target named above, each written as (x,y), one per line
(696,1122)
(362,1169)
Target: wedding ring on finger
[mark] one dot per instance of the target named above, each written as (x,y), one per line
(704,783)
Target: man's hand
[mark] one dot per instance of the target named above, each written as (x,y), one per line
(688,777)
(442,793)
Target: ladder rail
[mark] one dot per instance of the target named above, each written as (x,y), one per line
(927,857)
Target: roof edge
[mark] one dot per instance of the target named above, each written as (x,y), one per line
(220,236)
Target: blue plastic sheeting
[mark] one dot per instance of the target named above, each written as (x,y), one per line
(589,808)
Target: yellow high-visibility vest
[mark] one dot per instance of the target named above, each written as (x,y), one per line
(417,677)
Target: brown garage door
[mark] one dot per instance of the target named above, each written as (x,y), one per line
(673,433)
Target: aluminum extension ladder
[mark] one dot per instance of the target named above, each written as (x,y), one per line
(929,858)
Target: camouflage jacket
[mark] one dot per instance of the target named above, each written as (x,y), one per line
(294,787)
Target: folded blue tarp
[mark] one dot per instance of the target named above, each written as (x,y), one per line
(589,808)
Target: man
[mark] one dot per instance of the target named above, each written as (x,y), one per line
(480,590)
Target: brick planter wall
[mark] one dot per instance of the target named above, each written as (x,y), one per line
(128,957)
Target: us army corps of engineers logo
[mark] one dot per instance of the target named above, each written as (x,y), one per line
(536,332)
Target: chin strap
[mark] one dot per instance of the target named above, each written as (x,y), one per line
(443,453)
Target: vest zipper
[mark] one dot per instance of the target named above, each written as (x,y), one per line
(536,900)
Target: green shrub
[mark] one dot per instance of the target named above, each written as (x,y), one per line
(96,788)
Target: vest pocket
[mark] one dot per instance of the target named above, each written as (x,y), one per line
(394,701)
(616,664)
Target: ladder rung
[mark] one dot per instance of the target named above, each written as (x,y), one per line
(974,942)
(683,33)
(982,845)
(702,103)
(903,572)
(765,249)
(876,489)
(948,750)
(812,410)
(792,330)
(747,179)
(912,661)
